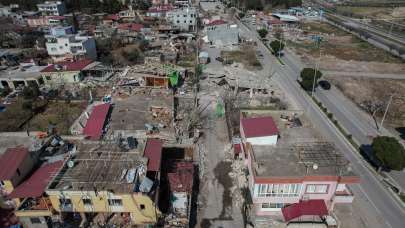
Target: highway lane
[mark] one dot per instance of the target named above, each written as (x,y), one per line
(380,201)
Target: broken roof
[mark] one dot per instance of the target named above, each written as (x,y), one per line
(36,184)
(316,207)
(259,126)
(181,180)
(11,160)
(102,166)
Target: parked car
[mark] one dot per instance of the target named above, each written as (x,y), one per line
(367,152)
(219,59)
(324,84)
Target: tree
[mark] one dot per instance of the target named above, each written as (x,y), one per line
(390,152)
(277,46)
(307,78)
(262,33)
(31,92)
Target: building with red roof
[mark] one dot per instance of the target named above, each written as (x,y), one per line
(159,10)
(15,165)
(181,178)
(35,206)
(216,22)
(66,71)
(297,176)
(94,128)
(259,130)
(153,151)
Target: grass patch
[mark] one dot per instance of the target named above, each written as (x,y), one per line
(246,56)
(60,113)
(402,197)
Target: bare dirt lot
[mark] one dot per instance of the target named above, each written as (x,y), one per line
(246,55)
(378,90)
(341,51)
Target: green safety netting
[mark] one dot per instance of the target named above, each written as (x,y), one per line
(174,78)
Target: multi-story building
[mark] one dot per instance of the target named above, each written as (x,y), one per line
(39,21)
(294,172)
(52,8)
(185,19)
(219,32)
(110,178)
(159,11)
(71,46)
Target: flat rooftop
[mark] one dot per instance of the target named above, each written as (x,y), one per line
(133,112)
(300,150)
(18,73)
(102,166)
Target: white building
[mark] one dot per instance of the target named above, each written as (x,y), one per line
(52,8)
(220,33)
(184,19)
(72,46)
(259,130)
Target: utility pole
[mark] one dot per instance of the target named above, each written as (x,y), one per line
(386,111)
(316,70)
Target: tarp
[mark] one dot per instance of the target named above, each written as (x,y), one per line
(174,78)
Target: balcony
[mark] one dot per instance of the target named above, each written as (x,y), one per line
(33,207)
(345,196)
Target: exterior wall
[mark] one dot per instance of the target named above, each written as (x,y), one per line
(27,222)
(223,34)
(266,140)
(57,78)
(37,22)
(183,18)
(25,168)
(52,8)
(327,197)
(130,203)
(70,46)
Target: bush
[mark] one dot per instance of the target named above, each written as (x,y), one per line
(4,91)
(330,115)
(262,33)
(31,92)
(277,46)
(307,78)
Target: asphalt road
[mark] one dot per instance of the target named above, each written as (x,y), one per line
(376,196)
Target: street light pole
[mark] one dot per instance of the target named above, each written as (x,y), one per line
(386,111)
(316,70)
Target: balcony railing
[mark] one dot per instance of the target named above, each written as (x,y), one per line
(345,196)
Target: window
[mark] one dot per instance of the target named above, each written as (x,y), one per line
(185,21)
(18,172)
(317,188)
(48,78)
(115,202)
(191,21)
(87,202)
(35,220)
(142,206)
(184,15)
(272,205)
(279,190)
(178,21)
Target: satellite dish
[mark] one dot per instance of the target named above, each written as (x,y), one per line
(70,164)
(315,166)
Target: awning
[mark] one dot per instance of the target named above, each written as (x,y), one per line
(36,184)
(308,207)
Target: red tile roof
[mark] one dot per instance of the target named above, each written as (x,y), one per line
(181,180)
(153,151)
(216,22)
(36,184)
(95,123)
(69,66)
(310,207)
(113,17)
(130,27)
(161,8)
(258,127)
(11,160)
